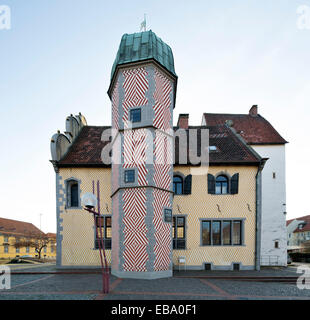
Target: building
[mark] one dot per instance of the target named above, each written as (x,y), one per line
(268,143)
(298,232)
(18,238)
(154,213)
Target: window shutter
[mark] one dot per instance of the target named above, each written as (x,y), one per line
(211,184)
(188,184)
(234,184)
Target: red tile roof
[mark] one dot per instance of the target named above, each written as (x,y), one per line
(86,149)
(253,128)
(51,235)
(14,227)
(306,227)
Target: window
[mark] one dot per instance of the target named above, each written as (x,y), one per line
(17,250)
(216,232)
(276,244)
(45,249)
(182,186)
(226,232)
(221,232)
(72,194)
(177,185)
(135,115)
(237,232)
(168,215)
(6,248)
(106,232)
(27,249)
(129,176)
(221,185)
(206,232)
(6,239)
(178,232)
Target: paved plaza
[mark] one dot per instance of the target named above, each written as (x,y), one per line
(40,283)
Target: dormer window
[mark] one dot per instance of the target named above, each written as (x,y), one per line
(300,226)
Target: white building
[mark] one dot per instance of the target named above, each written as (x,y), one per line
(267,142)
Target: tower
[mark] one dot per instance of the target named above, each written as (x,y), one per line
(142,91)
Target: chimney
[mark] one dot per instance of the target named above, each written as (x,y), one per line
(253,111)
(183,120)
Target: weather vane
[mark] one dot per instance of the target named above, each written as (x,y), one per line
(143,24)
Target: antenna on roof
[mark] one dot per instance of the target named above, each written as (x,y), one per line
(143,24)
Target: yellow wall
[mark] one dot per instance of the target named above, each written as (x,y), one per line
(78,225)
(22,251)
(200,204)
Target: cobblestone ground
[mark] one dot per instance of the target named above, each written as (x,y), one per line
(88,287)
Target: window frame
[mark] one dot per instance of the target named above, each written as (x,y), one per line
(107,241)
(68,184)
(221,183)
(231,220)
(176,241)
(132,115)
(126,172)
(179,183)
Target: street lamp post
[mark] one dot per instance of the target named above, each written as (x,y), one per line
(89,202)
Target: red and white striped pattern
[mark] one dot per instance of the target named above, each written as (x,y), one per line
(135,153)
(163,160)
(135,231)
(115,103)
(135,86)
(163,89)
(162,248)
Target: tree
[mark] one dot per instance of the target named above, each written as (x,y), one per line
(33,240)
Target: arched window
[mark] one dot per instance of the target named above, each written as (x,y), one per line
(72,194)
(221,185)
(177,185)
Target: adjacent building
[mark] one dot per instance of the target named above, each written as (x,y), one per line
(298,232)
(19,238)
(258,133)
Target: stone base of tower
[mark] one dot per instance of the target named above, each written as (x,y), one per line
(142,275)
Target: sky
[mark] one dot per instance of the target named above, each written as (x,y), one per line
(57,55)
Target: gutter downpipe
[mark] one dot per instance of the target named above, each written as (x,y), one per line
(258,217)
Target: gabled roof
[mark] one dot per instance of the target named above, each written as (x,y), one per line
(86,149)
(253,128)
(14,227)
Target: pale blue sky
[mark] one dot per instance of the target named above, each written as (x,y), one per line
(57,57)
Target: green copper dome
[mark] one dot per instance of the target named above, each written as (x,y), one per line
(143,46)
